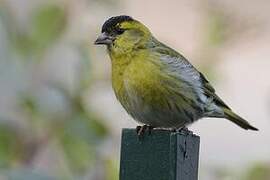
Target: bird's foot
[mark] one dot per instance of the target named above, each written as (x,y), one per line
(142,129)
(183,130)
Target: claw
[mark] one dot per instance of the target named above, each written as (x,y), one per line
(141,130)
(150,129)
(184,130)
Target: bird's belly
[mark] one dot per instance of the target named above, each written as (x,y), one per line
(159,117)
(157,109)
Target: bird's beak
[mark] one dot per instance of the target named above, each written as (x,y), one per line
(104,39)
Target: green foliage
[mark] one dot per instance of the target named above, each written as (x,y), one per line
(78,153)
(258,172)
(78,135)
(46,26)
(23,44)
(216,29)
(223,173)
(79,140)
(84,70)
(76,130)
(8,146)
(111,170)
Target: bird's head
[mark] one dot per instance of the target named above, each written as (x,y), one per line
(123,33)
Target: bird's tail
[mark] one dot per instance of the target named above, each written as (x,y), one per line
(230,115)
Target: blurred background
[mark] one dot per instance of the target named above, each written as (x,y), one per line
(59,118)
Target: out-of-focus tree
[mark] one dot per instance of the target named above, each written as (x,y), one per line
(48,114)
(258,172)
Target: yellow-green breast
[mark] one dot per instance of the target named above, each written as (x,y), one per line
(137,85)
(137,74)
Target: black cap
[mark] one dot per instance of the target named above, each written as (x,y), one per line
(113,21)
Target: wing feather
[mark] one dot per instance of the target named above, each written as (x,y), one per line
(178,66)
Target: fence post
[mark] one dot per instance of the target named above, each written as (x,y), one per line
(162,155)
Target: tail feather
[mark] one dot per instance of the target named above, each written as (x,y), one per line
(230,115)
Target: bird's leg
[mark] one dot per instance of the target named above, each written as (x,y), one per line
(184,130)
(138,128)
(150,129)
(141,130)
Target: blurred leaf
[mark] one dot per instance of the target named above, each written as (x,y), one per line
(88,120)
(79,153)
(111,170)
(259,172)
(7,146)
(86,128)
(97,127)
(106,3)
(79,140)
(85,68)
(47,25)
(216,29)
(23,43)
(29,104)
(223,173)
(10,145)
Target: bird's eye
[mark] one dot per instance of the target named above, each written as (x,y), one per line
(119,31)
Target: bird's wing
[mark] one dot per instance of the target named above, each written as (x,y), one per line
(179,67)
(208,88)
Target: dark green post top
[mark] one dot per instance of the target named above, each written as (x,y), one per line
(162,155)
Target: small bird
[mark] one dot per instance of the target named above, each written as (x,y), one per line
(155,84)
